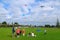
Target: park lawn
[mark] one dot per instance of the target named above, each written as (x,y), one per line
(52,34)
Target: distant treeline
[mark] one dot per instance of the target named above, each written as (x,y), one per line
(5,24)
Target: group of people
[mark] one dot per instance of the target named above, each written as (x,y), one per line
(17,32)
(32,34)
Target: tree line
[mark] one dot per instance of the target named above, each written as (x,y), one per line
(5,24)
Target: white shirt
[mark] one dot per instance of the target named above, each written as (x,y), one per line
(33,34)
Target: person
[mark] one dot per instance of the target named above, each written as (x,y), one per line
(13,31)
(32,34)
(23,32)
(17,32)
(45,31)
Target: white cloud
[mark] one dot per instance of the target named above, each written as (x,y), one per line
(3,12)
(37,14)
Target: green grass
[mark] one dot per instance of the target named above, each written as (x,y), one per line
(52,34)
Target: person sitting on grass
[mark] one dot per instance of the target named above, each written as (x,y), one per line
(23,32)
(18,32)
(32,34)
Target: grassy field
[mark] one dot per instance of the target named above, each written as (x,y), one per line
(52,34)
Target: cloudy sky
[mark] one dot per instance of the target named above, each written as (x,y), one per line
(35,12)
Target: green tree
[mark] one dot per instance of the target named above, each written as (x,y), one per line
(16,24)
(47,25)
(4,24)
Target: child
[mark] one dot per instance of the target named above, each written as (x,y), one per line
(18,32)
(23,32)
(32,34)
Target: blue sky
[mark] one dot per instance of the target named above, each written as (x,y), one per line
(35,12)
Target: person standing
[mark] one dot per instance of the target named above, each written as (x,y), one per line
(13,31)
